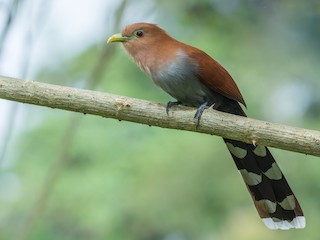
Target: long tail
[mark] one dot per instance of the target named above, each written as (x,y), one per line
(272,196)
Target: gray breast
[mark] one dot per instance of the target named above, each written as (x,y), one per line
(179,79)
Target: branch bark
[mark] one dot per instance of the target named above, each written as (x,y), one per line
(153,114)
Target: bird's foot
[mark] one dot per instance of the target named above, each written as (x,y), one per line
(199,112)
(171,104)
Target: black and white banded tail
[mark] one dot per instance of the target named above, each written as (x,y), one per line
(272,196)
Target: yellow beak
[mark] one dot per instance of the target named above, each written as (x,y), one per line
(117,38)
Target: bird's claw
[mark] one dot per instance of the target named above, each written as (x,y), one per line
(199,112)
(171,104)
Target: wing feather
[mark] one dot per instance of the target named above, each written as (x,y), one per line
(213,75)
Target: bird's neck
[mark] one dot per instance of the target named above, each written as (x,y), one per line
(152,59)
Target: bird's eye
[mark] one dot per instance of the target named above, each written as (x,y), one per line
(139,33)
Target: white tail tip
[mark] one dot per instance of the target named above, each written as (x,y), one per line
(297,222)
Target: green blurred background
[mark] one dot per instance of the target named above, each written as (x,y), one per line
(71,176)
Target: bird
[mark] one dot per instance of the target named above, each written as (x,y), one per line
(195,79)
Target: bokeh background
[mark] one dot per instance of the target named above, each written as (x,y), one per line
(68,176)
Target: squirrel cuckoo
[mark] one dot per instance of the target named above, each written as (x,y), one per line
(194,79)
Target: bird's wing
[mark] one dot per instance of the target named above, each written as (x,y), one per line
(213,75)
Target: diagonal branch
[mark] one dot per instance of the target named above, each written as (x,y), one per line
(144,112)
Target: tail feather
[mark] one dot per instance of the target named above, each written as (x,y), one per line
(272,196)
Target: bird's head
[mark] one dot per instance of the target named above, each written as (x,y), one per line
(138,33)
(140,36)
(147,44)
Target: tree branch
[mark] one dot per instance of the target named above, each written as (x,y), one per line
(144,112)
